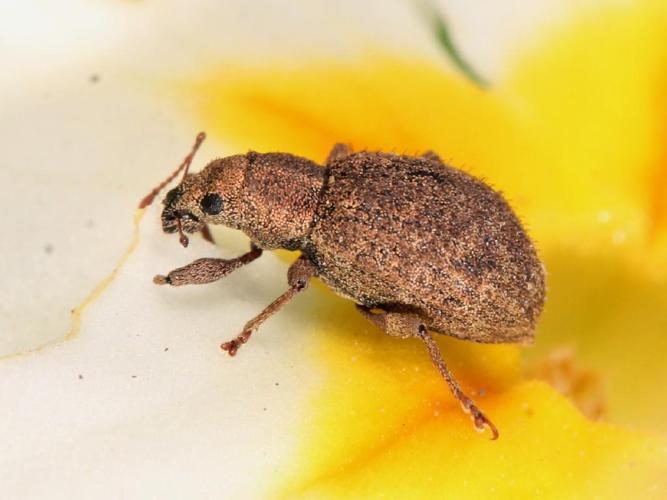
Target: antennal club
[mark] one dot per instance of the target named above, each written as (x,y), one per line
(182,238)
(150,197)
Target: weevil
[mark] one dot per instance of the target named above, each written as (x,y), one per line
(419,246)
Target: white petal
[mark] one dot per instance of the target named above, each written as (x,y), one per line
(143,403)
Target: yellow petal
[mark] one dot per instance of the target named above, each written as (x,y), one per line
(593,99)
(385,424)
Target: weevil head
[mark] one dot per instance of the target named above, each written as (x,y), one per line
(207,197)
(271,197)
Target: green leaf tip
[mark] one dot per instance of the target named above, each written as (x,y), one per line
(443,36)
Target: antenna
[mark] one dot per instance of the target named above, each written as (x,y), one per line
(182,238)
(150,197)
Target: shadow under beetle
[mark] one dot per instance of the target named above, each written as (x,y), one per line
(419,246)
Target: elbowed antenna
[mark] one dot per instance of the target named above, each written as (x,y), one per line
(181,235)
(150,197)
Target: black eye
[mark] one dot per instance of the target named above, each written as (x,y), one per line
(173,195)
(211,204)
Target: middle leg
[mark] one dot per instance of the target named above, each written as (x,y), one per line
(405,325)
(339,150)
(297,277)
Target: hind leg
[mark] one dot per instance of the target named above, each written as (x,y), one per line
(339,150)
(405,325)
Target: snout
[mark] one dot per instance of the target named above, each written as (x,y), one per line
(190,223)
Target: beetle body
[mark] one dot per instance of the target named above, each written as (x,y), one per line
(385,230)
(408,232)
(419,246)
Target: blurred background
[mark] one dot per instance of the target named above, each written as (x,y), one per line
(561,105)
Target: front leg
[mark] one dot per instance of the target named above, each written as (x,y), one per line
(206,270)
(297,278)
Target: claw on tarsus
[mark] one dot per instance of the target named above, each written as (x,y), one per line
(480,420)
(233,345)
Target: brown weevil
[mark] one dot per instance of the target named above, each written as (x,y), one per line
(418,245)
